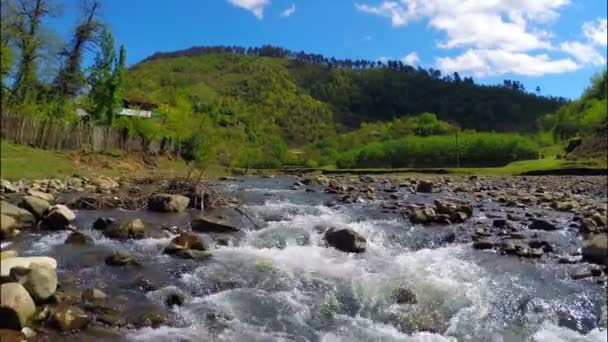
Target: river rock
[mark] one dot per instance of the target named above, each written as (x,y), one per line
(25,262)
(186,241)
(404,295)
(105,183)
(168,203)
(93,295)
(69,318)
(483,244)
(78,238)
(121,259)
(345,240)
(35,205)
(9,335)
(135,229)
(542,225)
(8,187)
(7,226)
(422,215)
(42,195)
(424,186)
(193,254)
(57,217)
(596,249)
(206,225)
(103,223)
(16,306)
(5,254)
(22,217)
(41,281)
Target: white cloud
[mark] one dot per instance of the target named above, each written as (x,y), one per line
(399,16)
(254,6)
(584,53)
(597,31)
(488,62)
(288,12)
(411,59)
(500,36)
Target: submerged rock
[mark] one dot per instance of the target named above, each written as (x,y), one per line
(345,240)
(168,203)
(186,241)
(16,306)
(69,318)
(404,295)
(121,259)
(205,225)
(78,238)
(542,225)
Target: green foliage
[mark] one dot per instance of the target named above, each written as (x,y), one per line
(474,149)
(106,80)
(587,116)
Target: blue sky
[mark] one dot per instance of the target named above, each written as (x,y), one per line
(555,44)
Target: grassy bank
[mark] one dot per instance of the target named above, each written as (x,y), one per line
(19,161)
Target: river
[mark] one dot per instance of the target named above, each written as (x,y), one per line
(281,283)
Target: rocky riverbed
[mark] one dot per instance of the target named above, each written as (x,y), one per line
(305,258)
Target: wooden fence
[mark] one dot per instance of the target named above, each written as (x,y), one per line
(62,135)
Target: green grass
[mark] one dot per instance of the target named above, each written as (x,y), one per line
(18,161)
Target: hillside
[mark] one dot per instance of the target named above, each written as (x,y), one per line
(354,91)
(583,123)
(242,107)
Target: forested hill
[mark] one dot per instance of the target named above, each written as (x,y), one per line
(307,94)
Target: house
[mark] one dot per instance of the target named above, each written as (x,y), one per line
(137,107)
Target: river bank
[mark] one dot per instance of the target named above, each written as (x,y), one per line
(330,258)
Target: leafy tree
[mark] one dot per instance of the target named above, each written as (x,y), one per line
(70,78)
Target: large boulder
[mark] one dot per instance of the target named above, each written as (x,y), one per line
(7,264)
(22,217)
(135,229)
(57,217)
(7,226)
(167,203)
(69,318)
(205,225)
(35,205)
(596,249)
(7,253)
(345,240)
(186,241)
(16,306)
(40,281)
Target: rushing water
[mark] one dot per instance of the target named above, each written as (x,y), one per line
(280,283)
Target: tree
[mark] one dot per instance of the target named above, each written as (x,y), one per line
(106,79)
(26,27)
(70,78)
